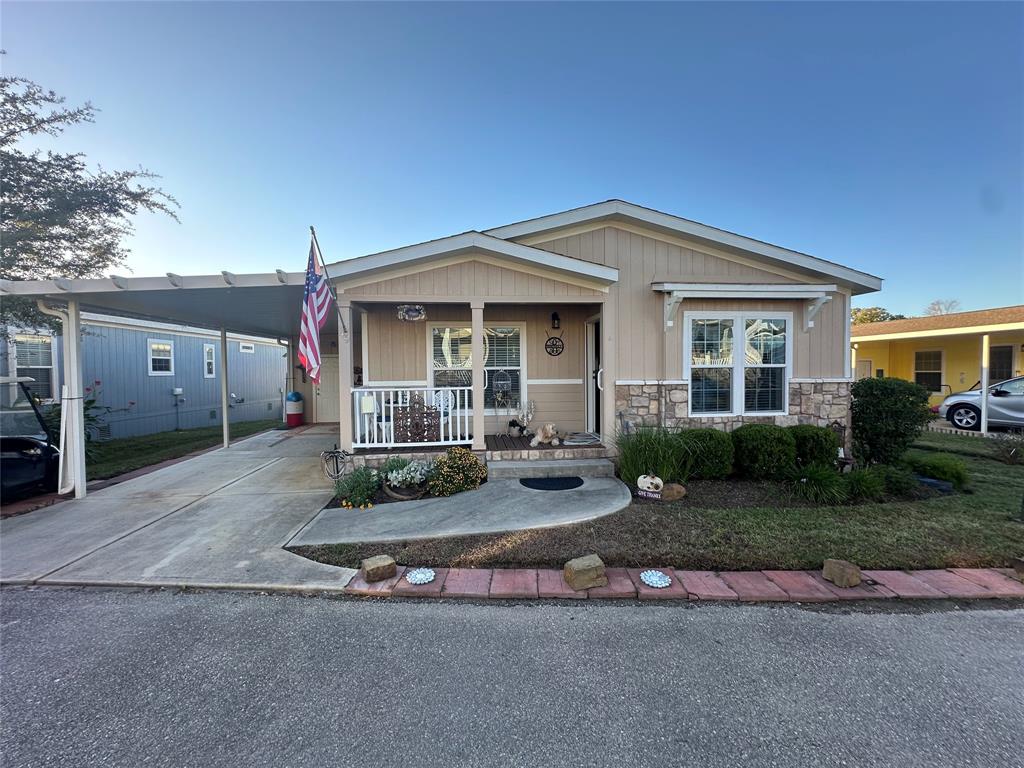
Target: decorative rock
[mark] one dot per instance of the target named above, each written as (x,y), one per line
(672,492)
(841,573)
(585,572)
(1017,563)
(378,568)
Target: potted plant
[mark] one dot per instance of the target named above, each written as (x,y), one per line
(405,480)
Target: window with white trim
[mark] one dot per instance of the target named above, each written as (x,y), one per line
(928,369)
(726,380)
(247,347)
(452,363)
(209,361)
(161,357)
(35,359)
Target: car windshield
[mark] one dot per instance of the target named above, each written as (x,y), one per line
(17,417)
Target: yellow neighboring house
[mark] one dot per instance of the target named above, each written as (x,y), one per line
(943,353)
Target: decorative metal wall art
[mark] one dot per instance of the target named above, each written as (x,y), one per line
(554,346)
(415,422)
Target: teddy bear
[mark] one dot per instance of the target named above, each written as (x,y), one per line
(546,434)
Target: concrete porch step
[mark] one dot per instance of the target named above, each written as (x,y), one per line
(501,470)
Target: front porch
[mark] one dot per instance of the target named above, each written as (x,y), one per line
(460,373)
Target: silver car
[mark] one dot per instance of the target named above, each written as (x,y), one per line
(1005,406)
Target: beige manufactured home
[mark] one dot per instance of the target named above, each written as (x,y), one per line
(601,316)
(594,318)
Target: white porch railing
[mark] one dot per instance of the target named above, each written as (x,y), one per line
(407,417)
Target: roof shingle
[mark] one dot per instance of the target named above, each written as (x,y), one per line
(997,316)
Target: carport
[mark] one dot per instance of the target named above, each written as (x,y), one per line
(265,304)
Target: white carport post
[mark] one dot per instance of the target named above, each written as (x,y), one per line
(225,403)
(984,383)
(74,409)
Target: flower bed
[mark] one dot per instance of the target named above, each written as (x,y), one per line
(402,479)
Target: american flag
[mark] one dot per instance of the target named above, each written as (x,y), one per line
(316,301)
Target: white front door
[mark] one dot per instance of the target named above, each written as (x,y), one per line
(863,369)
(326,393)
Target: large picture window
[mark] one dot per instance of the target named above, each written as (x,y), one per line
(928,369)
(452,363)
(727,378)
(35,360)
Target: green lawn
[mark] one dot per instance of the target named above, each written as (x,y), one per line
(965,529)
(115,457)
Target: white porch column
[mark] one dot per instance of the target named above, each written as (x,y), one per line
(853,361)
(225,400)
(609,366)
(75,411)
(345,373)
(477,308)
(984,382)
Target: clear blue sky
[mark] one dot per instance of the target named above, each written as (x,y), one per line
(887,137)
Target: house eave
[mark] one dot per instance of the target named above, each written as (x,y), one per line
(619,210)
(468,242)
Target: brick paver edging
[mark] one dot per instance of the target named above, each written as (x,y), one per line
(746,586)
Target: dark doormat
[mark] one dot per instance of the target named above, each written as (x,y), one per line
(551,483)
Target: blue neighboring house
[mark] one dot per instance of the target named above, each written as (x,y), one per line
(156,377)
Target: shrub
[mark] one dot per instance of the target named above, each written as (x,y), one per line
(412,475)
(940,466)
(655,450)
(1009,448)
(865,484)
(888,415)
(458,470)
(711,450)
(898,481)
(763,451)
(815,445)
(358,487)
(818,483)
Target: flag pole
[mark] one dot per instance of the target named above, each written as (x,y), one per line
(327,277)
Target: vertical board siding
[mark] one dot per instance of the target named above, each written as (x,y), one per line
(468,278)
(642,349)
(118,358)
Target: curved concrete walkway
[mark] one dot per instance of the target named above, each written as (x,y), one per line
(496,507)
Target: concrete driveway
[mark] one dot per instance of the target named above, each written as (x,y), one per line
(216,520)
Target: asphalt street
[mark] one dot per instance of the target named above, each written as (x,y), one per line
(145,678)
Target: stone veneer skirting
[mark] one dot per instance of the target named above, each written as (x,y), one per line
(819,403)
(534,454)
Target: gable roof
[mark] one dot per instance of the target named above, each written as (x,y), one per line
(434,250)
(953,321)
(620,210)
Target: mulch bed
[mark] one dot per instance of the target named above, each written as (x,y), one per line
(719,525)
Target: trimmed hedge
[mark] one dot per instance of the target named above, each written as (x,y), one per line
(815,445)
(712,453)
(763,451)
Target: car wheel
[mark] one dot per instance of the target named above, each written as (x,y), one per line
(965,417)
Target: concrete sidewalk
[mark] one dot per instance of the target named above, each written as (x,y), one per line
(496,507)
(217,520)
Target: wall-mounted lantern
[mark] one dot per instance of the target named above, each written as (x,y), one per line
(556,322)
